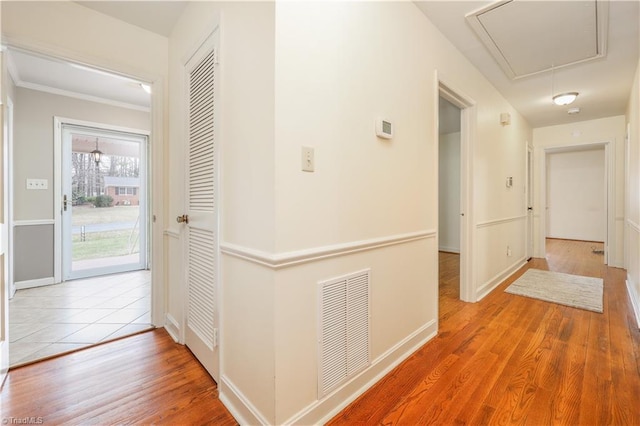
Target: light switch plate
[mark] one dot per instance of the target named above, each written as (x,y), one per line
(307,159)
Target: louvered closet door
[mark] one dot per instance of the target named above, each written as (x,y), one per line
(201,239)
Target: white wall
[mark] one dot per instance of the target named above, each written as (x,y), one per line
(576,195)
(449,193)
(632,210)
(611,130)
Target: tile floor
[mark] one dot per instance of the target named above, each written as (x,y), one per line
(58,318)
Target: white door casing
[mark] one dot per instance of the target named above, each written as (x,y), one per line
(201,219)
(609,196)
(4,283)
(529,202)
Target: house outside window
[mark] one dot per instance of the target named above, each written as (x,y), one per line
(123,190)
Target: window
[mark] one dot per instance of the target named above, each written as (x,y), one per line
(121,190)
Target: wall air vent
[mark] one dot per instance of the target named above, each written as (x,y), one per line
(343,346)
(530,37)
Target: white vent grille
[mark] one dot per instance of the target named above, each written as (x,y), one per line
(344,329)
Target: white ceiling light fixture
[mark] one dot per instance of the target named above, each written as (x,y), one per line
(565,98)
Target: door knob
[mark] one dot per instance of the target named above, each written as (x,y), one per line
(183,219)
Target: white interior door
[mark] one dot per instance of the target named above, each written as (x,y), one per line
(201,220)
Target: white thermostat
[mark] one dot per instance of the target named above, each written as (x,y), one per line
(384,128)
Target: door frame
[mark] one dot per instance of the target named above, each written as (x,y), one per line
(609,196)
(59,180)
(468,120)
(529,202)
(8,198)
(5,122)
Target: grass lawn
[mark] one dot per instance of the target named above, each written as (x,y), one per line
(86,215)
(104,244)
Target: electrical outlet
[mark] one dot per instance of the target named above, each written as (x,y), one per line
(508,251)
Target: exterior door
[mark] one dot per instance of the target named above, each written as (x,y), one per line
(104,201)
(201,219)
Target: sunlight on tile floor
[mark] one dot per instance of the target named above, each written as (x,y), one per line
(58,318)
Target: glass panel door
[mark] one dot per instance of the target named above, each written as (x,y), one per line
(104,226)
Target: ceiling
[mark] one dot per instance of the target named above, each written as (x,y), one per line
(156,16)
(59,77)
(526,33)
(55,76)
(523,33)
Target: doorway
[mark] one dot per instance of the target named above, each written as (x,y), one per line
(79,311)
(466,119)
(104,200)
(449,195)
(577,196)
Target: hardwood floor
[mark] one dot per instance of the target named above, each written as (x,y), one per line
(514,360)
(504,360)
(142,379)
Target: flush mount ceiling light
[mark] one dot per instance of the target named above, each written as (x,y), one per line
(565,98)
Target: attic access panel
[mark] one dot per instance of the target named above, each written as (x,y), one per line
(530,37)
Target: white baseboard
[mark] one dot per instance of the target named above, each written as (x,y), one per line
(322,411)
(21,285)
(319,412)
(635,300)
(239,405)
(498,279)
(449,249)
(172,327)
